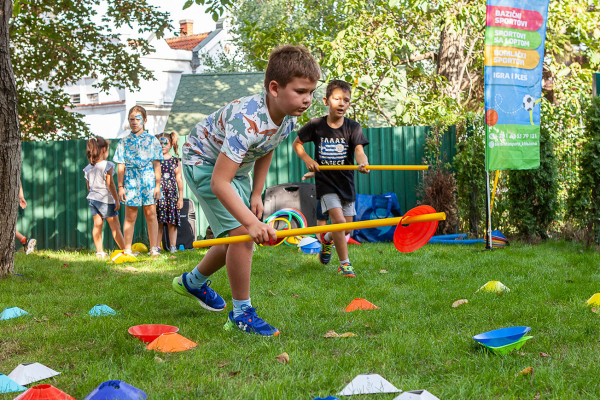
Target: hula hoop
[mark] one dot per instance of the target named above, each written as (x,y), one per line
(272,225)
(291,214)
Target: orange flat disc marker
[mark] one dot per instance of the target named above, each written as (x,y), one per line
(360,304)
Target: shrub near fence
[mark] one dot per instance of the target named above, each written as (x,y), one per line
(58,216)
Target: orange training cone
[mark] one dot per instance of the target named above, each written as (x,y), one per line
(44,392)
(414,236)
(360,304)
(171,342)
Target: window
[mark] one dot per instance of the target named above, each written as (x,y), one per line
(92,98)
(75,99)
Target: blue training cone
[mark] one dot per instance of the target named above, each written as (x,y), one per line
(12,312)
(116,390)
(7,385)
(100,310)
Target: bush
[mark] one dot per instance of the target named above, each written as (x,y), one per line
(532,194)
(438,187)
(583,205)
(438,190)
(469,164)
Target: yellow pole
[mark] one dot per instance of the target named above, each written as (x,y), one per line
(328,228)
(494,191)
(376,167)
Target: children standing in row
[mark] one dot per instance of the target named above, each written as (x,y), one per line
(99,176)
(219,154)
(167,208)
(337,140)
(138,157)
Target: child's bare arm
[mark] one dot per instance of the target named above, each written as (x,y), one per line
(361,159)
(110,182)
(120,179)
(179,186)
(22,201)
(157,176)
(299,149)
(223,174)
(261,168)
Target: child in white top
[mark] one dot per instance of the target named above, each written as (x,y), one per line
(99,175)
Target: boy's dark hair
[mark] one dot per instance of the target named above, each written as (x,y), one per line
(95,147)
(337,84)
(172,137)
(288,62)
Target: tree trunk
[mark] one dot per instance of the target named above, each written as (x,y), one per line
(451,59)
(10,146)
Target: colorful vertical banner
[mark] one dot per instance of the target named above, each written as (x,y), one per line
(515,35)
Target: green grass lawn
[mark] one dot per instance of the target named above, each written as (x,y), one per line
(416,340)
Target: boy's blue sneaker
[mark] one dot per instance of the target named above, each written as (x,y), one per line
(325,253)
(251,323)
(208,298)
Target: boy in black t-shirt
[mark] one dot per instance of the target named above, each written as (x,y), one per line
(337,140)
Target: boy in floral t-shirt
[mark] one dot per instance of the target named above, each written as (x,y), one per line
(219,154)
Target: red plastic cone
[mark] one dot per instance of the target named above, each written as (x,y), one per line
(44,392)
(352,241)
(360,304)
(414,236)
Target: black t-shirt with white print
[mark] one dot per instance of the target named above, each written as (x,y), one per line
(334,147)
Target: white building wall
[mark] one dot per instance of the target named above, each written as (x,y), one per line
(107,117)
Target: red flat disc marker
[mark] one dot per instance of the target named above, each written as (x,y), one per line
(414,236)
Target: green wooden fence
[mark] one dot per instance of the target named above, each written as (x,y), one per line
(58,216)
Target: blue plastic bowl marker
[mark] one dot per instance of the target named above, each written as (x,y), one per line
(502,337)
(311,248)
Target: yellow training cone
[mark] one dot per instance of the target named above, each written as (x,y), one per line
(594,300)
(140,247)
(494,286)
(123,258)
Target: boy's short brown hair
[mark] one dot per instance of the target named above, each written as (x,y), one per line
(288,62)
(337,84)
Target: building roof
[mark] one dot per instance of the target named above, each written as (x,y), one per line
(204,42)
(188,42)
(199,95)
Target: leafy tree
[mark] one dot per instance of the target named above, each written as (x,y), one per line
(438,44)
(584,200)
(58,42)
(10,148)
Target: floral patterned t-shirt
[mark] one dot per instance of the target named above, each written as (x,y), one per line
(242,130)
(138,151)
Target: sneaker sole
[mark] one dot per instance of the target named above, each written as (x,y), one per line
(31,246)
(324,263)
(230,326)
(179,289)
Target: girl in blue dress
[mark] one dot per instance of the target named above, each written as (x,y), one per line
(138,157)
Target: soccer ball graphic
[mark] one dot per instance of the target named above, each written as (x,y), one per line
(528,103)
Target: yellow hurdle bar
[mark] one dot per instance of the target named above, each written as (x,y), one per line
(327,228)
(376,167)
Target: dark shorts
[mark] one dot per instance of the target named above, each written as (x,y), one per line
(320,215)
(104,210)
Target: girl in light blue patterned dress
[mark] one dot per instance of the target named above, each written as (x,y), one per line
(138,157)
